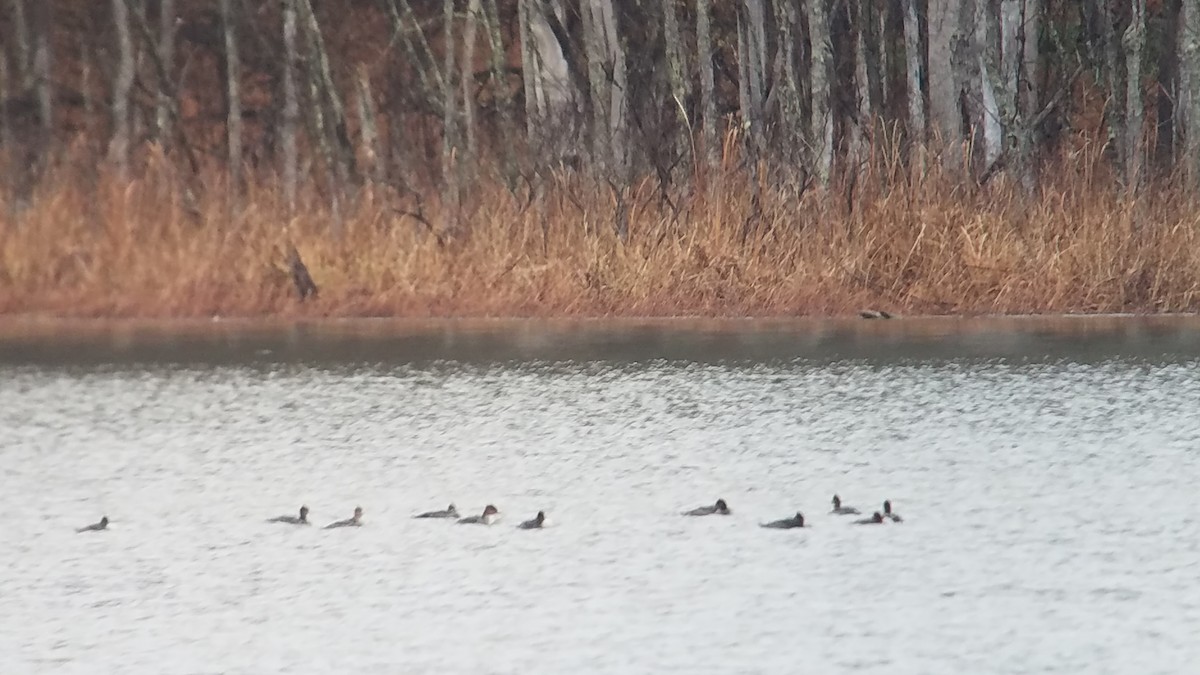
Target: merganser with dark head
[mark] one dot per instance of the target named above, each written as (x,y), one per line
(537,523)
(876,519)
(449,512)
(355,521)
(95,527)
(720,509)
(843,510)
(490,515)
(889,513)
(787,523)
(293,520)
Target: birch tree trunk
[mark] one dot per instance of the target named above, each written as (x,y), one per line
(1134,42)
(291,106)
(821,123)
(166,55)
(991,82)
(704,58)
(233,118)
(123,84)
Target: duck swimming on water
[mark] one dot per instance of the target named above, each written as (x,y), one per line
(293,520)
(875,519)
(786,523)
(95,527)
(843,510)
(535,523)
(448,512)
(490,515)
(889,513)
(720,509)
(355,521)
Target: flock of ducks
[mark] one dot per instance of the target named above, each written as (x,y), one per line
(491,514)
(878,518)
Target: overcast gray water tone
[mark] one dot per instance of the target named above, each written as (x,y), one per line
(1046,477)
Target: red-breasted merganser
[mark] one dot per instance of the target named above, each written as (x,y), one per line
(95,527)
(356,521)
(293,520)
(720,508)
(889,513)
(843,510)
(490,515)
(787,523)
(450,512)
(538,522)
(876,519)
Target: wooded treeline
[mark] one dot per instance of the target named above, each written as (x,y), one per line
(429,97)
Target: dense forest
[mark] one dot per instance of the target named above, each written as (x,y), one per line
(599,156)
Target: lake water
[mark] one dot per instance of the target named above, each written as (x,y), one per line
(1045,469)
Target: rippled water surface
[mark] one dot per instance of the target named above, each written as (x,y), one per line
(1047,483)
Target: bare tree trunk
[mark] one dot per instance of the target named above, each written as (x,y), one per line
(704,57)
(500,93)
(368,127)
(123,85)
(945,120)
(1114,108)
(821,122)
(752,51)
(24,51)
(606,75)
(863,115)
(166,55)
(913,63)
(43,71)
(473,19)
(676,57)
(291,105)
(1189,73)
(1134,42)
(991,81)
(233,119)
(786,128)
(451,197)
(327,98)
(428,75)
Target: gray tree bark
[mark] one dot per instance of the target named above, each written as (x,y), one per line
(291,106)
(1189,72)
(43,71)
(913,59)
(166,54)
(233,118)
(122,86)
(821,123)
(945,120)
(704,58)
(1134,43)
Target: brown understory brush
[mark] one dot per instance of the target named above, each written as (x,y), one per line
(724,244)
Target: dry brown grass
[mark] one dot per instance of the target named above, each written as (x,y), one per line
(911,245)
